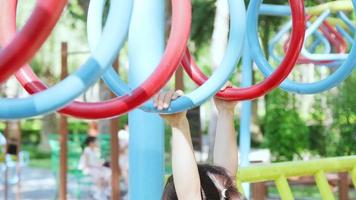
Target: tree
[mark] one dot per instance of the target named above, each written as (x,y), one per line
(286,134)
(344,112)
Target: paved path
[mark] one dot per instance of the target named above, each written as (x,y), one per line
(38,184)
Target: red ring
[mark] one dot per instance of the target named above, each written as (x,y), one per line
(26,43)
(275,79)
(177,41)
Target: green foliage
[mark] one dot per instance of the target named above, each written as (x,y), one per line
(78,127)
(322,142)
(344,113)
(35,153)
(203,21)
(286,134)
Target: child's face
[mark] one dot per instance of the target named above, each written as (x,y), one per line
(93,144)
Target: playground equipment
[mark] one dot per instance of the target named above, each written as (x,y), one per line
(304,88)
(280,172)
(31,37)
(105,43)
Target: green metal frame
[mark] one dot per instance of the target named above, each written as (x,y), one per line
(279,172)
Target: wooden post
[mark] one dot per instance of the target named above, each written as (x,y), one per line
(13,135)
(6,186)
(115,148)
(179,79)
(18,164)
(343,186)
(63,131)
(259,191)
(115,169)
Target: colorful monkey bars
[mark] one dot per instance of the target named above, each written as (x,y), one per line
(27,42)
(112,39)
(105,46)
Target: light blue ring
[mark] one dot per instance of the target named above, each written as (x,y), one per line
(285,28)
(347,21)
(320,39)
(344,33)
(74,85)
(304,88)
(211,86)
(320,57)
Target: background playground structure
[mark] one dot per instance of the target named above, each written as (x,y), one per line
(306,143)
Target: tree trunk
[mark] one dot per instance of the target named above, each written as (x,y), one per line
(12,128)
(218,46)
(49,126)
(193,116)
(104,93)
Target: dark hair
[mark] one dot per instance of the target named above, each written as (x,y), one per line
(213,180)
(89,140)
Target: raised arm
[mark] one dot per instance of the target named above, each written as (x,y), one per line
(225,148)
(184,166)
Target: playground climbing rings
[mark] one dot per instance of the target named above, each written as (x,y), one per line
(276,78)
(74,85)
(216,81)
(25,44)
(304,88)
(175,47)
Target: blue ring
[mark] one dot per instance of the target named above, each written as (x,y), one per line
(347,21)
(277,38)
(303,88)
(321,57)
(211,86)
(74,85)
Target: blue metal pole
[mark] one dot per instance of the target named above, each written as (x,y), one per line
(146,46)
(245,121)
(275,10)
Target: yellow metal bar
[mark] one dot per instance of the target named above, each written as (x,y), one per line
(335,6)
(239,187)
(266,172)
(333,22)
(283,188)
(323,185)
(353,176)
(336,21)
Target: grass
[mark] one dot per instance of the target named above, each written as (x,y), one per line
(44,163)
(306,192)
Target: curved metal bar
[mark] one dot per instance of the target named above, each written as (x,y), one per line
(75,84)
(344,33)
(320,57)
(217,80)
(337,41)
(284,30)
(347,21)
(177,41)
(255,91)
(30,38)
(283,10)
(333,80)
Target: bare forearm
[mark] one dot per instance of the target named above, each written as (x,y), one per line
(184,166)
(225,150)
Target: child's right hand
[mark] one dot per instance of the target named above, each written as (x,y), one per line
(163,100)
